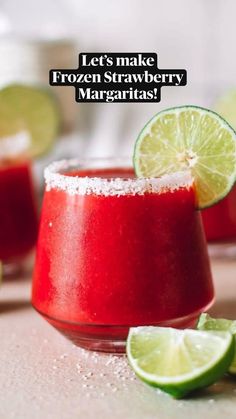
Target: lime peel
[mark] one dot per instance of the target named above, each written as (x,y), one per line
(169,353)
(31,109)
(206,322)
(189,138)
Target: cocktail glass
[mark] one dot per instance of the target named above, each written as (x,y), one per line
(18,215)
(220,227)
(115,251)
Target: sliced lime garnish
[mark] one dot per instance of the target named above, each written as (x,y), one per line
(189,138)
(226,107)
(29,109)
(205,322)
(179,361)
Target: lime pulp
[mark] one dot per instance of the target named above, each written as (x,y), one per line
(194,139)
(179,361)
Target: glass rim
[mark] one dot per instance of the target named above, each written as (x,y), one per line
(86,185)
(15,146)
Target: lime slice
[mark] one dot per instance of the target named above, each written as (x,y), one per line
(179,361)
(189,138)
(29,109)
(226,107)
(205,322)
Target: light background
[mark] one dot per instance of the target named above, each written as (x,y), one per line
(198,35)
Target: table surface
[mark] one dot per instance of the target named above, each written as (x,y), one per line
(44,376)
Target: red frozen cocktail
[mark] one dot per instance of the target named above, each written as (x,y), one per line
(18,217)
(220,220)
(116,251)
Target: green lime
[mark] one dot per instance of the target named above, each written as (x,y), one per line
(29,109)
(226,107)
(179,361)
(205,322)
(193,139)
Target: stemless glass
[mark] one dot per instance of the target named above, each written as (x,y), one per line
(115,251)
(219,223)
(18,215)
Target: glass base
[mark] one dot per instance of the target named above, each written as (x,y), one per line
(111,338)
(222,250)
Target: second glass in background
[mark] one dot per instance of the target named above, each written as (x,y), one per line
(18,214)
(220,227)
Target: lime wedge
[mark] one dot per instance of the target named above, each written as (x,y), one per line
(205,322)
(189,138)
(179,361)
(29,109)
(226,107)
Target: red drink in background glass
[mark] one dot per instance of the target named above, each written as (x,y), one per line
(18,217)
(115,251)
(220,220)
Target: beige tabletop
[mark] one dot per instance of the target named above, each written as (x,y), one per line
(44,376)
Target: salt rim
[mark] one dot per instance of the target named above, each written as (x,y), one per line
(14,145)
(75,185)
